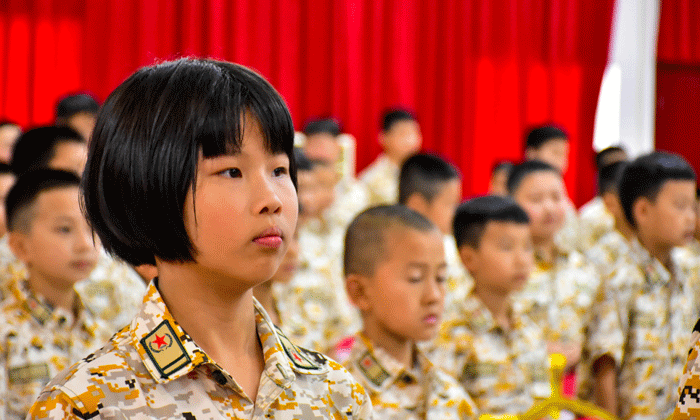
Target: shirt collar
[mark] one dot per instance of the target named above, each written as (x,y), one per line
(168,352)
(43,312)
(479,318)
(382,370)
(654,271)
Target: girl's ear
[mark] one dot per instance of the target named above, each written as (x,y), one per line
(356,287)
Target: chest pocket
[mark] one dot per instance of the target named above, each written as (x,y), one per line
(25,382)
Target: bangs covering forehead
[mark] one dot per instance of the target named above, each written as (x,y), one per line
(147,142)
(231,96)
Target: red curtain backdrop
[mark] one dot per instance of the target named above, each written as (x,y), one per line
(477,72)
(678,80)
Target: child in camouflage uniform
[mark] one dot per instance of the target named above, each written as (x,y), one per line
(395,274)
(191,169)
(638,339)
(498,354)
(44,326)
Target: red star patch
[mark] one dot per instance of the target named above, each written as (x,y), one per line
(296,356)
(160,341)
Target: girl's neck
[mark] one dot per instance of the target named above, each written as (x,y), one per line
(263,293)
(497,303)
(56,296)
(218,317)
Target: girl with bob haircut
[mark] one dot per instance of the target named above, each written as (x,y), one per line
(191,169)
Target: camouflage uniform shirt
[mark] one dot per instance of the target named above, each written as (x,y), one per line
(401,393)
(37,341)
(688,404)
(642,319)
(559,296)
(504,372)
(113,291)
(594,221)
(381,179)
(308,315)
(153,369)
(459,281)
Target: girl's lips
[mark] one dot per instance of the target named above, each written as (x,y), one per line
(431,319)
(270,241)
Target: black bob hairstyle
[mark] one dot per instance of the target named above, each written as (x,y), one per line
(148,137)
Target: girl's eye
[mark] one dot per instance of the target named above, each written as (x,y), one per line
(280,171)
(63,229)
(231,173)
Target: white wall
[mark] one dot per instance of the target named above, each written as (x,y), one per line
(627,101)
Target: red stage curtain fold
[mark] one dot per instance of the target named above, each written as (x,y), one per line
(477,72)
(678,80)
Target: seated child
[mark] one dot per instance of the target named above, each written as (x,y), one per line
(113,291)
(400,138)
(594,218)
(614,244)
(44,326)
(49,147)
(320,245)
(499,355)
(395,273)
(431,186)
(9,133)
(78,112)
(499,178)
(191,169)
(638,339)
(561,288)
(323,146)
(550,144)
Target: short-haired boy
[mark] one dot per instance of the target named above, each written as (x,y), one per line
(615,243)
(395,272)
(49,147)
(595,218)
(320,246)
(431,186)
(560,290)
(498,354)
(550,144)
(44,327)
(79,112)
(638,338)
(400,137)
(112,291)
(499,178)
